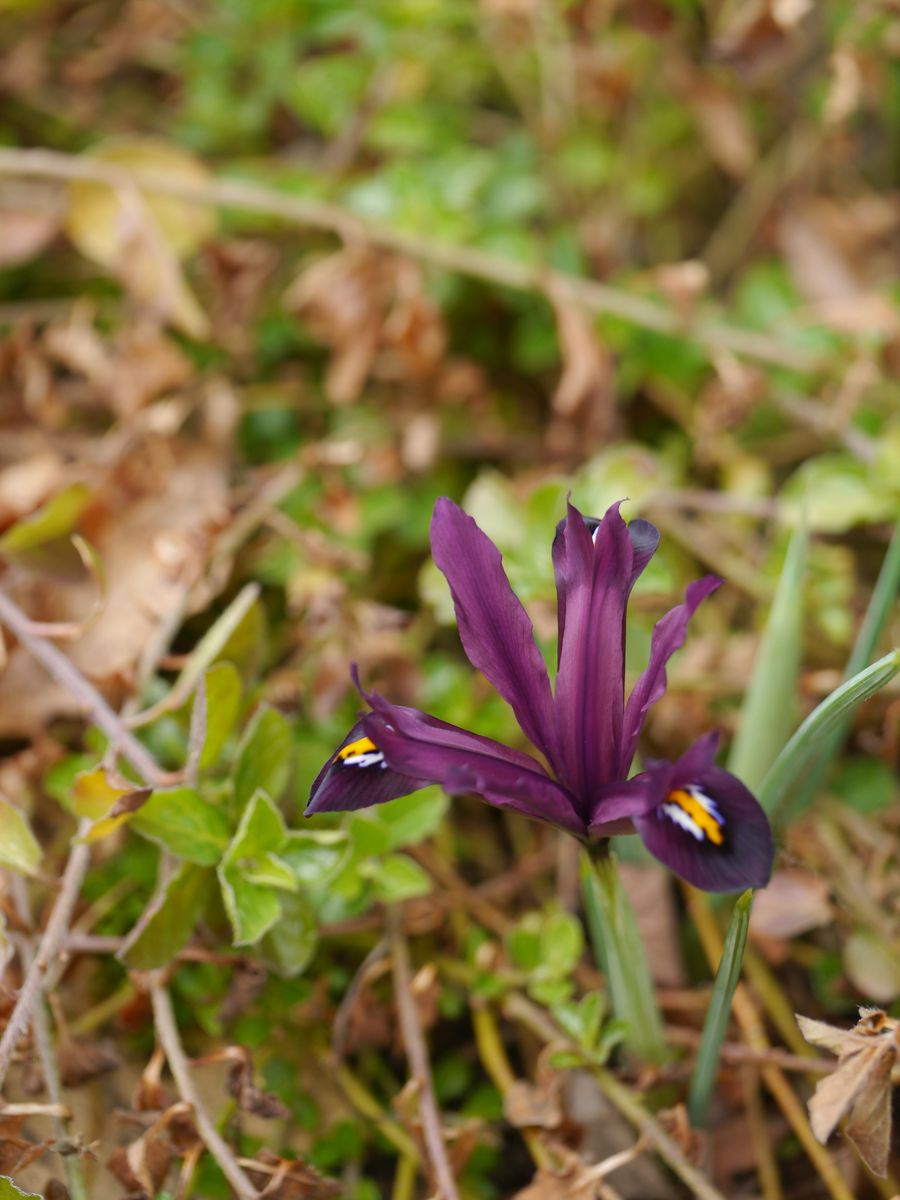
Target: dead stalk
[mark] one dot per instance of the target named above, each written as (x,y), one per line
(467,260)
(417,1054)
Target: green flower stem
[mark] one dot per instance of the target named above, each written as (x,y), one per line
(619,952)
(820,723)
(716,1024)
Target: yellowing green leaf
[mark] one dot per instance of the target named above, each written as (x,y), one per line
(19,849)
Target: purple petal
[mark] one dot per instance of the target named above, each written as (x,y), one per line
(668,636)
(418,745)
(706,825)
(496,632)
(644,540)
(618,804)
(358,780)
(594,576)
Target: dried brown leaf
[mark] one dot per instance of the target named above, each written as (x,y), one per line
(80,1061)
(587,374)
(288,1179)
(793,902)
(860,1088)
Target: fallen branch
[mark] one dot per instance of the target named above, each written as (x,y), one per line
(595,297)
(417,1054)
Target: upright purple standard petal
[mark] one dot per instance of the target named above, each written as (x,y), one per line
(494,628)
(594,575)
(668,636)
(706,825)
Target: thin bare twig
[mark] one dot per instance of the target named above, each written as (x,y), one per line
(67,674)
(596,297)
(417,1054)
(167,1032)
(64,671)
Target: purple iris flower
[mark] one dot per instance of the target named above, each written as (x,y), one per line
(695,817)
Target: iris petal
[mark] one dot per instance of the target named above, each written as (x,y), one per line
(496,632)
(594,576)
(344,786)
(416,744)
(668,636)
(706,825)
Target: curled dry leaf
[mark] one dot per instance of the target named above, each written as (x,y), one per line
(142,236)
(860,1088)
(287,1179)
(587,374)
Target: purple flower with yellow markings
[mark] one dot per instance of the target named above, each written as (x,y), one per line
(693,816)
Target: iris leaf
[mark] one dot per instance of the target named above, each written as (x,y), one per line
(880,607)
(715,1026)
(821,723)
(767,716)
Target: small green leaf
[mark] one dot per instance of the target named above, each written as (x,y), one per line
(369,836)
(168,923)
(290,944)
(715,1026)
(55,520)
(19,849)
(412,818)
(271,871)
(253,908)
(265,756)
(9,1191)
(223,702)
(561,944)
(181,821)
(397,877)
(523,943)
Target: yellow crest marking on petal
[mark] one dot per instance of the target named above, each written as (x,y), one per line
(705,821)
(363,745)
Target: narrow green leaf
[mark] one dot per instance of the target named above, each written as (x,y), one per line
(265,756)
(768,713)
(881,605)
(168,923)
(223,703)
(619,951)
(53,521)
(181,821)
(821,722)
(715,1026)
(19,848)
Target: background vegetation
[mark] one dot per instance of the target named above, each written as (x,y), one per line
(275,275)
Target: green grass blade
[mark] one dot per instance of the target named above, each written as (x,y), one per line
(619,952)
(821,723)
(716,1024)
(769,708)
(881,605)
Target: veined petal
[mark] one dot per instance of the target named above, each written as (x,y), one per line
(496,632)
(668,636)
(357,776)
(594,575)
(418,745)
(706,825)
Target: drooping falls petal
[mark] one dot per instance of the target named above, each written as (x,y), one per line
(668,636)
(418,745)
(496,632)
(705,824)
(357,776)
(594,575)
